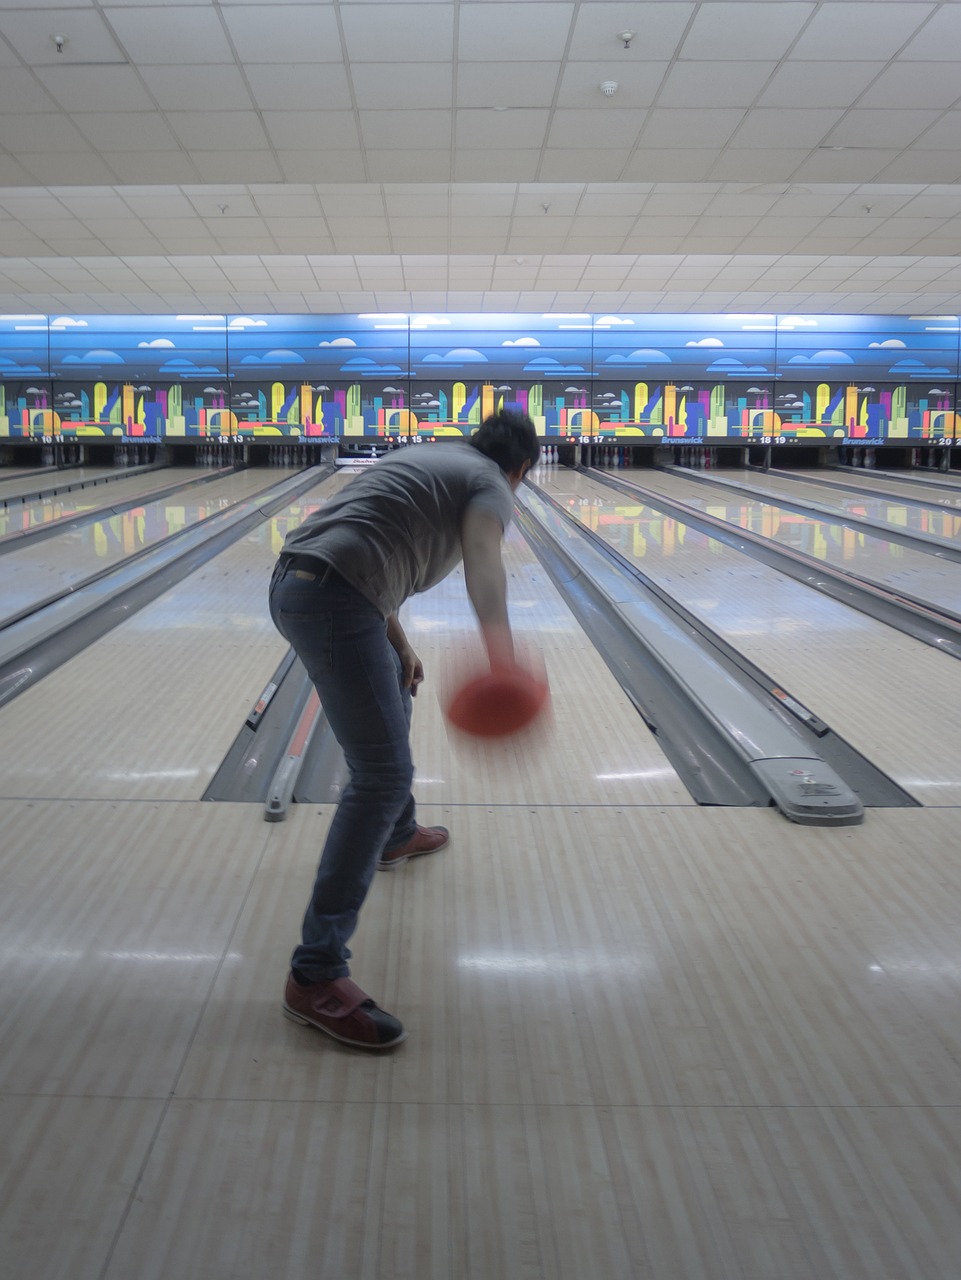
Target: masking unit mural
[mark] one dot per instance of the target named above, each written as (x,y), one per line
(690,378)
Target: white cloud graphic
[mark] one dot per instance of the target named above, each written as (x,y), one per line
(246,322)
(705,342)
(338,342)
(157,342)
(730,365)
(188,367)
(643,355)
(280,356)
(205,324)
(95,357)
(888,342)
(546,364)
(917,368)
(828,356)
(11,366)
(459,355)
(609,322)
(521,342)
(362,364)
(67,322)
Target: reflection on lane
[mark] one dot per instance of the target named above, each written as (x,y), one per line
(33,573)
(935,520)
(930,492)
(23,517)
(638,529)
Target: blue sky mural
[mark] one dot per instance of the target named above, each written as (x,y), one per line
(498,348)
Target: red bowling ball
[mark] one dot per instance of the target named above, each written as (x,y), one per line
(498,703)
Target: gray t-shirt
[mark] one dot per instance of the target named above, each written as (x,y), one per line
(395,529)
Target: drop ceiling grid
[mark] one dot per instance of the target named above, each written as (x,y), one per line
(222,102)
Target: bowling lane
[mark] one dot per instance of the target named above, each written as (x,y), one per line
(38,570)
(923,576)
(597,751)
(932,494)
(25,516)
(932,520)
(890,696)
(13,486)
(150,709)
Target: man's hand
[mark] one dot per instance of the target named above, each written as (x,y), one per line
(412,666)
(413,669)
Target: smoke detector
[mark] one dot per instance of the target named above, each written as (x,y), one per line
(609,87)
(627,37)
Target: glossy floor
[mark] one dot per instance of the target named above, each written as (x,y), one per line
(647,1041)
(667,1043)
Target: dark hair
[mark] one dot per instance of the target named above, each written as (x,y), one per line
(508,438)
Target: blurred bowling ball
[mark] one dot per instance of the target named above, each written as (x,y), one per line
(498,703)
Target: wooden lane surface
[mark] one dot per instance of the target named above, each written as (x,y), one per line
(26,516)
(890,696)
(870,555)
(152,707)
(40,569)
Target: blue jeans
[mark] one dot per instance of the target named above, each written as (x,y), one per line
(342,641)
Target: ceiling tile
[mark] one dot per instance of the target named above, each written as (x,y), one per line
(88,37)
(218,130)
(800,127)
(592,165)
(21,91)
(879,128)
(481,129)
(518,32)
(800,84)
(36,132)
(300,87)
(718,30)
(380,86)
(126,130)
(303,130)
(153,167)
(848,165)
(398,164)
(240,165)
(853,32)
(171,34)
(945,133)
(923,166)
(105,89)
(607,129)
(219,88)
(687,127)
(408,129)
(398,32)
(284,33)
(757,164)
(666,164)
(499,85)
(495,166)
(714,84)
(321,166)
(659,25)
(939,39)
(287,208)
(12,173)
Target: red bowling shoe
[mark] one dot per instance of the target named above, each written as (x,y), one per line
(424,840)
